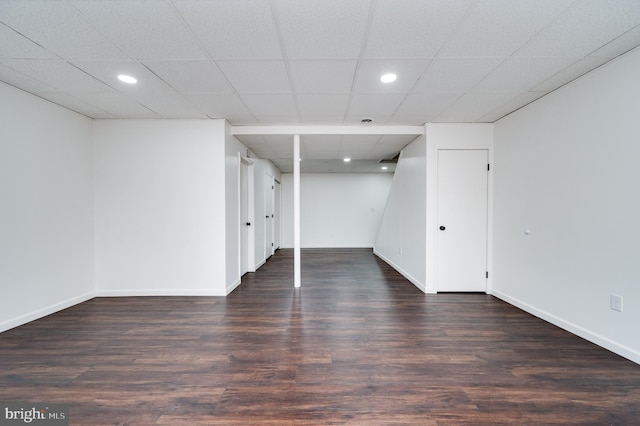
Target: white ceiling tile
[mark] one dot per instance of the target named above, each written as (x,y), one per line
(280,145)
(427,103)
(283,164)
(74,104)
(150,91)
(569,73)
(370,71)
(322,146)
(622,44)
(321,119)
(256,76)
(584,27)
(375,103)
(363,140)
(279,139)
(413,28)
(233,29)
(497,28)
(278,119)
(402,140)
(475,104)
(107,72)
(517,102)
(322,28)
(116,103)
(520,74)
(169,105)
(16,46)
(347,151)
(22,81)
(257,145)
(322,76)
(323,104)
(60,75)
(265,153)
(58,27)
(455,74)
(251,140)
(220,105)
(385,151)
(332,141)
(146,29)
(193,58)
(273,104)
(201,76)
(357,118)
(456,118)
(491,118)
(412,119)
(356,146)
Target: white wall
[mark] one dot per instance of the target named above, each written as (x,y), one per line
(566,168)
(452,136)
(336,209)
(160,209)
(401,240)
(46,218)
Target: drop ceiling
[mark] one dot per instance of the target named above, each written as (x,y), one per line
(309,62)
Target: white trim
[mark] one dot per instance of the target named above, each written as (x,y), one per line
(405,274)
(251,216)
(158,292)
(327,130)
(599,340)
(239,210)
(233,286)
(259,264)
(40,313)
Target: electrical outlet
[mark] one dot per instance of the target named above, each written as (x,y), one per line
(615,302)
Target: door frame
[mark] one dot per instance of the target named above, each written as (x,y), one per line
(458,136)
(269,215)
(249,244)
(277,208)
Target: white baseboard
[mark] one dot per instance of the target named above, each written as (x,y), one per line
(599,340)
(233,286)
(158,292)
(52,309)
(404,273)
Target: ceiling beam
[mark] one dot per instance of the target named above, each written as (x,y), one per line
(326,130)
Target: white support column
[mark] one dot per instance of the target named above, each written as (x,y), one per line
(296,212)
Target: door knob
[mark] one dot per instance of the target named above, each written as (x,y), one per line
(248,223)
(442,228)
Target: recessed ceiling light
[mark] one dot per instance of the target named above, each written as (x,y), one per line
(384,167)
(127,79)
(346,160)
(388,78)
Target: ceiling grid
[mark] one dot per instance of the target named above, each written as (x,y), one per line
(312,62)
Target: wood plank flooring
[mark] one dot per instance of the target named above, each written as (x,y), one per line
(357,345)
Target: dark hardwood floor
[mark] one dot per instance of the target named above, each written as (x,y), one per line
(358,344)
